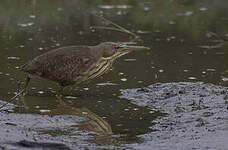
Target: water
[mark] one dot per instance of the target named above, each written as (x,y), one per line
(185,37)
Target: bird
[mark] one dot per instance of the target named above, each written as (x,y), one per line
(76,64)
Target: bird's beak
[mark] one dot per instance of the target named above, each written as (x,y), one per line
(129,48)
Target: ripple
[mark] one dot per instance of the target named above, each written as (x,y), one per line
(26,24)
(187,13)
(210,69)
(115,6)
(130,59)
(13,58)
(192,78)
(161,70)
(40,92)
(86,89)
(44,110)
(32,16)
(203,9)
(106,84)
(70,97)
(225,79)
(123,79)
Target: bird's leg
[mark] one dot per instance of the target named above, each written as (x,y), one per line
(19,91)
(71,90)
(60,100)
(23,103)
(28,78)
(60,91)
(24,91)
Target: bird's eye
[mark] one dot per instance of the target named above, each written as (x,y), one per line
(117,47)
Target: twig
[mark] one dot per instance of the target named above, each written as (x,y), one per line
(118,27)
(223,39)
(107,28)
(11,99)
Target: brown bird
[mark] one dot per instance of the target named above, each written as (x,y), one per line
(75,64)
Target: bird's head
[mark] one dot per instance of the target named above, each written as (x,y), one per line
(113,50)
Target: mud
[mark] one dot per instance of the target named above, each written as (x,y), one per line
(33,131)
(196,117)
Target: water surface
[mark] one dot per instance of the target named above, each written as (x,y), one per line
(187,40)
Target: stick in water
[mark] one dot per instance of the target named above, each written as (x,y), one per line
(118,27)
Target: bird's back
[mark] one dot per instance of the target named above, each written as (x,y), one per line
(64,65)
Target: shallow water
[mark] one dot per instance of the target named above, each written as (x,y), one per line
(186,40)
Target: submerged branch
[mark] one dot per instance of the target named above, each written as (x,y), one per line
(117,27)
(107,28)
(11,99)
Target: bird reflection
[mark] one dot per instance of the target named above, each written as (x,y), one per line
(102,130)
(93,123)
(99,130)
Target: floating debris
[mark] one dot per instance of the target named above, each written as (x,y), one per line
(203,9)
(13,58)
(119,125)
(192,78)
(106,84)
(210,69)
(115,6)
(59,9)
(212,46)
(85,113)
(44,110)
(26,24)
(32,16)
(123,79)
(119,13)
(146,8)
(225,79)
(142,31)
(151,112)
(70,97)
(161,70)
(130,59)
(40,92)
(172,22)
(40,48)
(187,13)
(185,70)
(86,89)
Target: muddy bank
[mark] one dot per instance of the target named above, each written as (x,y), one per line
(46,132)
(196,115)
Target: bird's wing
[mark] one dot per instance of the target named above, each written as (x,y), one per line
(61,65)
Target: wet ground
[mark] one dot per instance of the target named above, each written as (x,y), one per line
(171,97)
(194,117)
